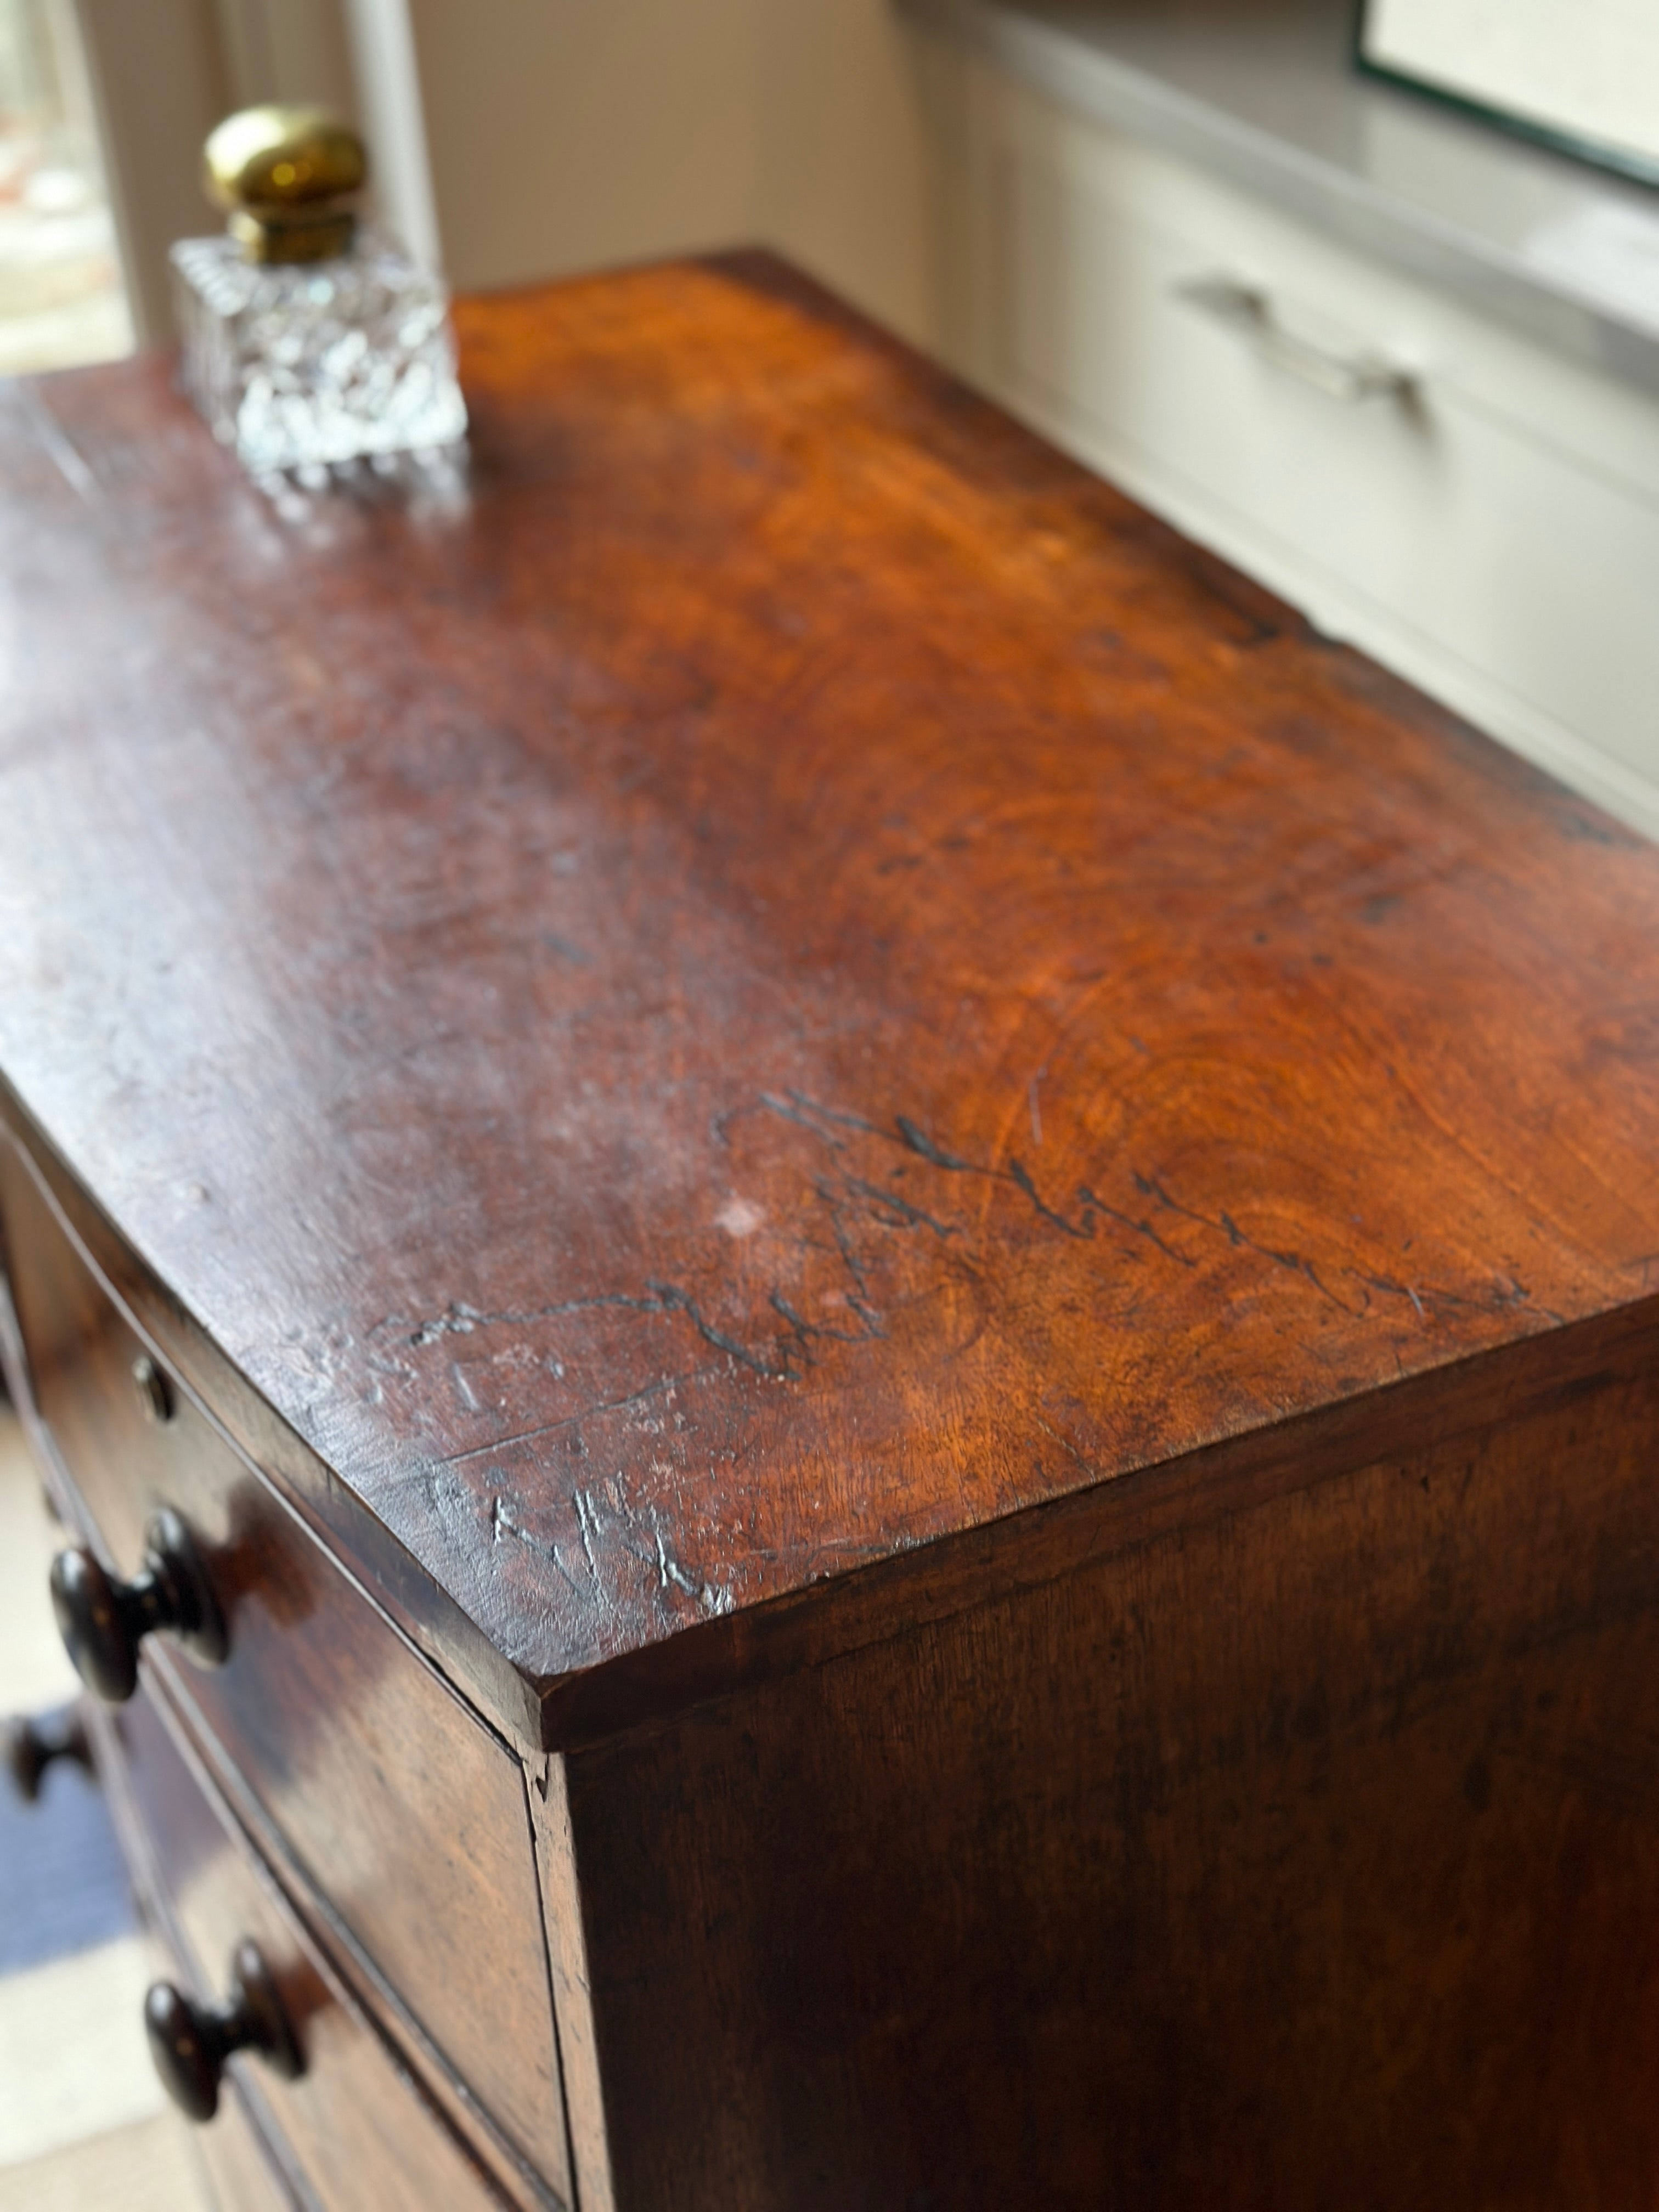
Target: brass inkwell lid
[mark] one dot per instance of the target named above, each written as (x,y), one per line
(285,174)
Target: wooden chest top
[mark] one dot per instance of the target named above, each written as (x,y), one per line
(777,976)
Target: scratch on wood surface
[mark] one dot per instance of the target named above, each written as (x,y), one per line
(55,442)
(662,1384)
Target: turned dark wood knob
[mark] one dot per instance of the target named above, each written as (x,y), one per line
(155,1391)
(191,2043)
(34,1740)
(102,1622)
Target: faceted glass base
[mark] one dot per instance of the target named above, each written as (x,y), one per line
(301,364)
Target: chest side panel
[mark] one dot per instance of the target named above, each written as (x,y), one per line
(1295,1856)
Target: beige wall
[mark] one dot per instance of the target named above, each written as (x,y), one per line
(517,139)
(565,134)
(575,134)
(842,183)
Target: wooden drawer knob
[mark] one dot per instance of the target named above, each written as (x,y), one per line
(191,2043)
(102,1622)
(34,1740)
(155,1391)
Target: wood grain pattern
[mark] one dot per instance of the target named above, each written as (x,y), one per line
(402,1813)
(567,1945)
(358,2131)
(778,978)
(241,2170)
(1299,1857)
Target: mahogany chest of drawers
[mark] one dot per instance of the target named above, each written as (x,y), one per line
(842,1290)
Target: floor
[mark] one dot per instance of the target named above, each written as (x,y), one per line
(83,2125)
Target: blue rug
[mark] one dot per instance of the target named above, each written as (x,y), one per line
(63,1886)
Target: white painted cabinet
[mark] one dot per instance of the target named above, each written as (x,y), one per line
(1478,511)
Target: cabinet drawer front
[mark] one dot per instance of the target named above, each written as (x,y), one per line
(238,2164)
(352,2126)
(404,1814)
(1475,534)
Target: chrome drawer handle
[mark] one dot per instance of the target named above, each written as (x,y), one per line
(1248,307)
(102,1622)
(191,2043)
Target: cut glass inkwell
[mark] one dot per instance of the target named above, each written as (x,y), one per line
(306,341)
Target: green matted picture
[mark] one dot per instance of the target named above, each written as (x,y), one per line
(1580,76)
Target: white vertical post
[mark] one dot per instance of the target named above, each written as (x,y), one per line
(394,122)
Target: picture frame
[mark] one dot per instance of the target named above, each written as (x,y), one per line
(1578,77)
